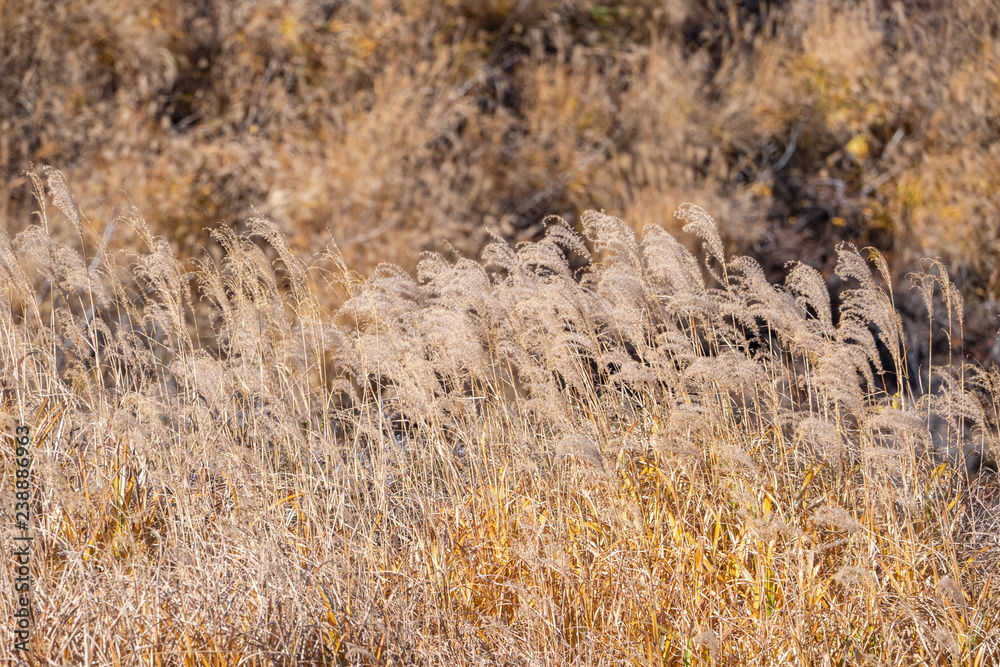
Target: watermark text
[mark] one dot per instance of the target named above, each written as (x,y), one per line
(21,555)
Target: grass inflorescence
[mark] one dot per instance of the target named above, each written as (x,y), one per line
(598,448)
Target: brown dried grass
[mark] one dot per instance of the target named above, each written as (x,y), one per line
(643,460)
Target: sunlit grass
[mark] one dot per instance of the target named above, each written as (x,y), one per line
(654,460)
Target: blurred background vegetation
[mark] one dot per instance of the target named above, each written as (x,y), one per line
(396,125)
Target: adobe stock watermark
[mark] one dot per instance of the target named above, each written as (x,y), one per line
(22,544)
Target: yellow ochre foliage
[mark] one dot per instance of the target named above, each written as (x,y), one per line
(598,448)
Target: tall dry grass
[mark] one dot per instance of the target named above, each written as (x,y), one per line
(395,125)
(655,458)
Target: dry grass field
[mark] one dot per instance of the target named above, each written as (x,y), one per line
(395,125)
(657,458)
(328,357)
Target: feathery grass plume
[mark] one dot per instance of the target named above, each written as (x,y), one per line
(676,295)
(612,235)
(550,317)
(387,298)
(15,277)
(878,259)
(159,273)
(581,446)
(869,304)
(38,193)
(926,282)
(132,367)
(707,639)
(432,266)
(812,294)
(954,306)
(822,437)
(701,224)
(731,373)
(550,349)
(548,313)
(63,198)
(625,373)
(391,314)
(754,300)
(634,308)
(985,383)
(463,295)
(256,320)
(854,335)
(207,380)
(498,253)
(835,377)
(14,341)
(836,517)
(856,578)
(669,265)
(627,313)
(954,401)
(249,273)
(61,265)
(548,256)
(951,590)
(451,342)
(542,391)
(691,422)
(961,432)
(265,229)
(737,460)
(464,286)
(904,429)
